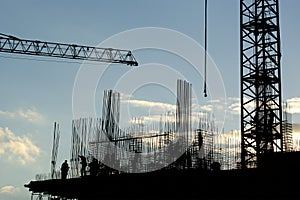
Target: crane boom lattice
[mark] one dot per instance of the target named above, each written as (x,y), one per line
(11,44)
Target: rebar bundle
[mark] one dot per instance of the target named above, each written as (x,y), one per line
(55,144)
(287,128)
(173,143)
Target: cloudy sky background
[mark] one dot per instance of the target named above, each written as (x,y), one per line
(36,91)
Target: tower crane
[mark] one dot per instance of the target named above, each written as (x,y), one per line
(260,69)
(12,44)
(260,80)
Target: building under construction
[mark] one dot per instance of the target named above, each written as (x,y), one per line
(174,157)
(179,141)
(184,155)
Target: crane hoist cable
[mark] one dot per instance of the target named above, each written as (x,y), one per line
(205,46)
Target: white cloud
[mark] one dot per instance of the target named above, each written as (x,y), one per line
(214,101)
(234,105)
(15,148)
(30,115)
(233,99)
(8,114)
(9,192)
(235,108)
(141,103)
(125,97)
(207,107)
(9,189)
(296,127)
(164,107)
(294,105)
(212,105)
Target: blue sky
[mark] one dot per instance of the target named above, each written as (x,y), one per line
(36,91)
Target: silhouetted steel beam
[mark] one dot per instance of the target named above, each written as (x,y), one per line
(11,44)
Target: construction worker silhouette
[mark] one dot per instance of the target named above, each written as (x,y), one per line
(83,165)
(64,169)
(94,167)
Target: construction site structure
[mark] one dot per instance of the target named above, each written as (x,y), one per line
(177,145)
(55,143)
(261,109)
(174,143)
(12,44)
(287,128)
(132,159)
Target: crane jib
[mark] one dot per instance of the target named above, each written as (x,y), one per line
(11,44)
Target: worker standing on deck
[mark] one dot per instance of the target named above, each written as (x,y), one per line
(64,169)
(83,165)
(94,167)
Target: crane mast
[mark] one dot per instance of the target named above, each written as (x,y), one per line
(11,44)
(261,110)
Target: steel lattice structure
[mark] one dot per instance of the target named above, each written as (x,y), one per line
(11,44)
(261,111)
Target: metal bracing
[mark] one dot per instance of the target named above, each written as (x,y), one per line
(11,44)
(56,136)
(261,112)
